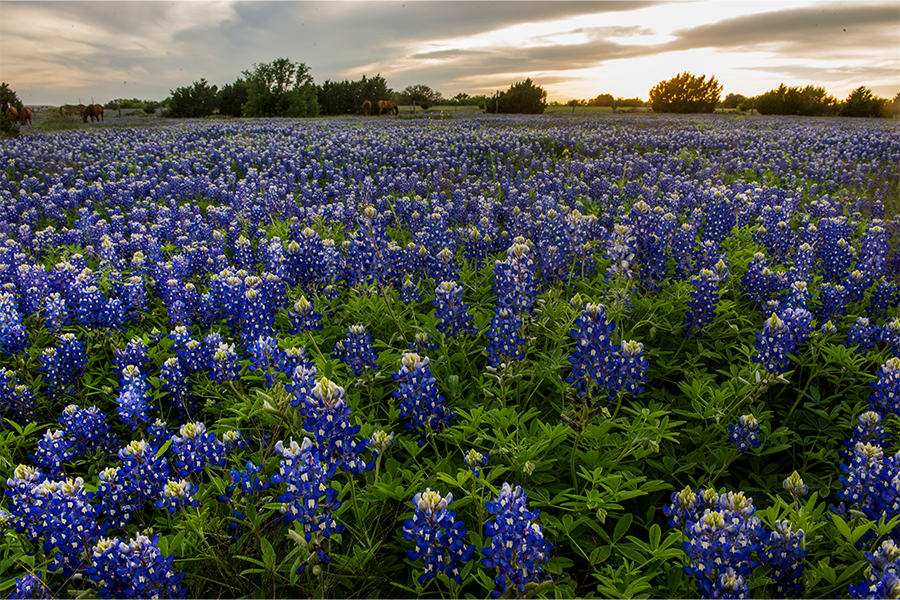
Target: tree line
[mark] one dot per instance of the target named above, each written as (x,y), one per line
(284,88)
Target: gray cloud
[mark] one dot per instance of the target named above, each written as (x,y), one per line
(157,46)
(822,30)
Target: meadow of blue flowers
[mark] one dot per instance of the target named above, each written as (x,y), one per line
(628,356)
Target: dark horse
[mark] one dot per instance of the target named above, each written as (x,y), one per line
(367,108)
(94,111)
(25,116)
(389,106)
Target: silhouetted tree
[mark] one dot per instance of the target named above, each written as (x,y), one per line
(280,88)
(686,93)
(603,100)
(232,97)
(523,97)
(733,100)
(810,101)
(197,100)
(420,95)
(346,97)
(8,126)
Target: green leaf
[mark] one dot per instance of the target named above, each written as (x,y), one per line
(655,534)
(622,526)
(163,448)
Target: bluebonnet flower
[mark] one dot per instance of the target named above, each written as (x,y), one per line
(223,362)
(178,387)
(518,548)
(621,252)
(31,586)
(780,337)
(56,315)
(721,541)
(133,407)
(444,267)
(420,401)
(88,430)
(67,522)
(886,397)
(328,419)
(745,434)
(833,298)
(889,335)
(194,447)
(795,486)
(119,500)
(134,569)
(13,335)
(304,317)
(451,310)
(515,278)
(883,579)
(705,299)
(760,283)
(600,370)
(16,399)
(53,450)
(861,335)
(264,355)
(307,499)
(177,494)
(256,313)
(134,353)
(145,473)
(380,441)
(506,343)
(438,537)
(884,297)
(781,551)
(475,460)
(409,291)
(63,366)
(423,343)
(355,351)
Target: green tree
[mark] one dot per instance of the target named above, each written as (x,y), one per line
(686,93)
(523,97)
(280,88)
(8,126)
(421,95)
(733,100)
(810,101)
(231,98)
(197,100)
(603,100)
(863,103)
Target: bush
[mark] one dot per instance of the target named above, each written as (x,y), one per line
(8,125)
(810,101)
(198,100)
(280,88)
(523,97)
(686,93)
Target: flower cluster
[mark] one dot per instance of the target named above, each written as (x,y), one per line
(518,548)
(781,336)
(356,351)
(453,319)
(328,419)
(420,401)
(745,434)
(437,536)
(601,370)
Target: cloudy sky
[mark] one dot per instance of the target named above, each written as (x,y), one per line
(58,52)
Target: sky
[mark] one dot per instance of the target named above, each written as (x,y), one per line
(65,52)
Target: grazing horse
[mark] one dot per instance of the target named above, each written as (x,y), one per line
(25,116)
(11,112)
(94,111)
(389,106)
(367,108)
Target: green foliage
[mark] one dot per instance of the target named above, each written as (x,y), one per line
(197,100)
(686,93)
(8,126)
(810,101)
(231,98)
(347,97)
(523,97)
(863,103)
(280,88)
(421,95)
(733,100)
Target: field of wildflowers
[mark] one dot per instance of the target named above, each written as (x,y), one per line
(638,356)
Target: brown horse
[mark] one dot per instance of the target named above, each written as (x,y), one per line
(367,108)
(11,112)
(25,116)
(94,111)
(389,106)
